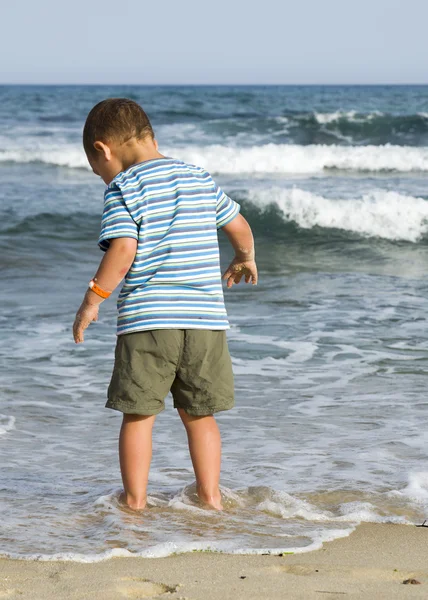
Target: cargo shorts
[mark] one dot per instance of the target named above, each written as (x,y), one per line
(194,364)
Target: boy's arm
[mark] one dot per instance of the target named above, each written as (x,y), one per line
(243,265)
(114,266)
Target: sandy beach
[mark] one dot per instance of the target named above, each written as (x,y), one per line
(371,563)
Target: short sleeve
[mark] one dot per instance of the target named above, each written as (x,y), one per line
(116,220)
(226,209)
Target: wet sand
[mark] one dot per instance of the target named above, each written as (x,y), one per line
(371,563)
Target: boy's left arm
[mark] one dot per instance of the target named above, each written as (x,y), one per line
(114,266)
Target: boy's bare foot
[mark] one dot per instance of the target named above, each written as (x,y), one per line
(132,503)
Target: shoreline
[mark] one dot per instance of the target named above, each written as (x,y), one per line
(372,562)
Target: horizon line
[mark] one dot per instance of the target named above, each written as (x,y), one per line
(51,84)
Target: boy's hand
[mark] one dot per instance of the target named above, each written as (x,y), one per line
(114,266)
(239,268)
(84,316)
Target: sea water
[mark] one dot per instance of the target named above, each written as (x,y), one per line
(330,350)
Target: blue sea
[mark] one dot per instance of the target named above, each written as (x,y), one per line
(330,350)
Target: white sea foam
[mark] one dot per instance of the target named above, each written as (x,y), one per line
(289,159)
(269,158)
(324,118)
(264,367)
(300,351)
(6,423)
(67,155)
(351,115)
(277,504)
(416,489)
(286,506)
(380,213)
(168,548)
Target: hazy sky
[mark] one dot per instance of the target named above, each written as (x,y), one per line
(221,41)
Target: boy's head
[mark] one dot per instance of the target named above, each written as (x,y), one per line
(114,131)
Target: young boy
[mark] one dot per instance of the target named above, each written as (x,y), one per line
(159,232)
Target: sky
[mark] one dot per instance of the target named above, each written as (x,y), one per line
(214,42)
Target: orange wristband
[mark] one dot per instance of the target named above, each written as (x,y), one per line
(97,290)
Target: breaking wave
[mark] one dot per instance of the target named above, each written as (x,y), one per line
(277,159)
(379,214)
(284,213)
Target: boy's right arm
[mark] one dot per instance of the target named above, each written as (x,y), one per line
(243,265)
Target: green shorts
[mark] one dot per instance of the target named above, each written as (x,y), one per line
(194,364)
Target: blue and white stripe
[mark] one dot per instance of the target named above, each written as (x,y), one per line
(173,210)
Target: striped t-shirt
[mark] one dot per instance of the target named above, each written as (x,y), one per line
(173,210)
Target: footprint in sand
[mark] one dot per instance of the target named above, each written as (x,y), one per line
(136,587)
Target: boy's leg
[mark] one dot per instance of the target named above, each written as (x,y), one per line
(135,454)
(205,450)
(144,370)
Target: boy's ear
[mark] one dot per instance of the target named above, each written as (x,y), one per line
(103,149)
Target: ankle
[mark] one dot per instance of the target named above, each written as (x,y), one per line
(211,498)
(133,502)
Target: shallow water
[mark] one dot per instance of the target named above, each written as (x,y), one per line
(329,350)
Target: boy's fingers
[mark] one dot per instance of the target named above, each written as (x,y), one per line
(82,322)
(235,272)
(230,272)
(231,280)
(78,332)
(75,331)
(79,327)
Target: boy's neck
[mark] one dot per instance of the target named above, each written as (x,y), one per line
(137,151)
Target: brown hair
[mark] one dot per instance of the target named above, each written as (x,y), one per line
(115,119)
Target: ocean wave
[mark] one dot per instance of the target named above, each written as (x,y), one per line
(351,115)
(294,159)
(291,213)
(413,123)
(77,226)
(378,214)
(296,516)
(374,127)
(278,159)
(350,127)
(164,549)
(66,155)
